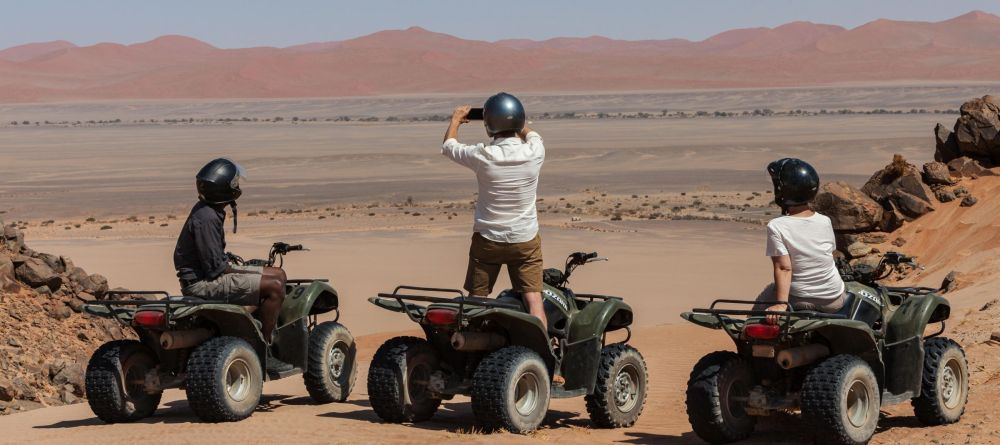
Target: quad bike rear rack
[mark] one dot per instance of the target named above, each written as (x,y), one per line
(784,321)
(461,299)
(167,302)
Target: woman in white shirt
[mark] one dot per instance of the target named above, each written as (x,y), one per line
(800,244)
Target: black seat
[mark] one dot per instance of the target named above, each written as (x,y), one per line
(556,318)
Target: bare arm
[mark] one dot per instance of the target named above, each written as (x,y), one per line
(523,134)
(458,117)
(782,283)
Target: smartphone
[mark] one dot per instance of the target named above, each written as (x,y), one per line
(475,114)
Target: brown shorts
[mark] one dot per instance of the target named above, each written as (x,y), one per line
(523,260)
(236,288)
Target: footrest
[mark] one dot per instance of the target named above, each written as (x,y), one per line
(272,375)
(559,393)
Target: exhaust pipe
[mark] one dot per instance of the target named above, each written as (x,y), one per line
(802,355)
(184,339)
(477,341)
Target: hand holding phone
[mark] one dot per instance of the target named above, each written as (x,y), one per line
(475,114)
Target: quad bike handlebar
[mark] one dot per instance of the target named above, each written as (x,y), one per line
(275,255)
(866,274)
(575,260)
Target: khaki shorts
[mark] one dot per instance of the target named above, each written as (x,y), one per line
(824,305)
(523,260)
(236,288)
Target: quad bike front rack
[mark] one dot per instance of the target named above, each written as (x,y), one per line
(461,299)
(785,317)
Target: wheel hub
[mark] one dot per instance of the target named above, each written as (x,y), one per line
(337,360)
(238,380)
(526,394)
(950,384)
(626,388)
(858,403)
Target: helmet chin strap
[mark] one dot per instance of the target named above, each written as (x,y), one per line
(233,205)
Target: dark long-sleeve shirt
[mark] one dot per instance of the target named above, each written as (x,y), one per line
(201,247)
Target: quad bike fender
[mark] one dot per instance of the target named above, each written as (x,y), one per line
(904,341)
(228,320)
(307,299)
(597,318)
(523,330)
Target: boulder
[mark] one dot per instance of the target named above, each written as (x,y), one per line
(848,208)
(947,145)
(937,173)
(34,272)
(968,167)
(944,195)
(13,238)
(71,374)
(977,130)
(911,205)
(53,261)
(6,267)
(96,285)
(968,201)
(858,250)
(900,186)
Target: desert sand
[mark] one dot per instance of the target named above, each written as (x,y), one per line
(378,206)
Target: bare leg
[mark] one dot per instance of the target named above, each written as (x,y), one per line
(535,307)
(272,295)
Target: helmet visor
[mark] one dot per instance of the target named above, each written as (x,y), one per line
(241,174)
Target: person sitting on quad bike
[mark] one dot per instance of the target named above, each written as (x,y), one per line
(506,221)
(800,244)
(201,261)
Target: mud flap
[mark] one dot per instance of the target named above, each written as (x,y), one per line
(579,364)
(904,364)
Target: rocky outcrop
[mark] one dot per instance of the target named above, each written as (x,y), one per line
(977,131)
(45,339)
(937,173)
(849,208)
(900,188)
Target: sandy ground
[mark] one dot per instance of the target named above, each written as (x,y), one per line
(342,191)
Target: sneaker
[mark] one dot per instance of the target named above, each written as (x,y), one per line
(558,380)
(275,365)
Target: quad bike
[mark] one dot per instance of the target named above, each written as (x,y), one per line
(836,369)
(215,351)
(501,356)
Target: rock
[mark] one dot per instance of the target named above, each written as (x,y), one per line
(7,390)
(969,201)
(968,168)
(892,218)
(950,282)
(34,272)
(858,250)
(899,242)
(910,205)
(60,312)
(54,262)
(977,130)
(900,186)
(875,237)
(944,195)
(43,291)
(71,374)
(95,285)
(6,267)
(848,208)
(947,145)
(67,397)
(989,305)
(13,238)
(75,305)
(995,336)
(937,173)
(960,191)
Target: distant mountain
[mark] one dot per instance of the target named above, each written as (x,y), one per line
(416,60)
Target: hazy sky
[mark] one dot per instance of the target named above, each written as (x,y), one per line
(241,23)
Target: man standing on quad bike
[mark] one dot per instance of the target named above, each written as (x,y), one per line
(202,263)
(506,226)
(800,244)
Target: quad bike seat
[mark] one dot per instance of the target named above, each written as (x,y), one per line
(557,319)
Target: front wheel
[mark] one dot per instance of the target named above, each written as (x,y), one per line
(841,401)
(511,390)
(224,380)
(399,380)
(115,382)
(331,368)
(620,393)
(945,384)
(716,396)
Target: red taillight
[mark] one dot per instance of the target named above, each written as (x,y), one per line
(762,331)
(441,316)
(150,319)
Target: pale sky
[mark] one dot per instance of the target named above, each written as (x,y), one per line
(243,23)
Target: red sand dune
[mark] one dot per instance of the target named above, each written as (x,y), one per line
(419,61)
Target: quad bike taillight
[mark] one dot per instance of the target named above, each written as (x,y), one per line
(149,319)
(439,316)
(762,331)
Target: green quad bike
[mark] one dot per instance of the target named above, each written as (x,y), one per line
(215,351)
(501,356)
(837,369)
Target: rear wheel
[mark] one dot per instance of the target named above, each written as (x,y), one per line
(620,393)
(331,368)
(115,382)
(399,380)
(511,390)
(945,384)
(841,401)
(224,380)
(716,398)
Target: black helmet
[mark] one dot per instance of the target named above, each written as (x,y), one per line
(219,182)
(795,182)
(502,112)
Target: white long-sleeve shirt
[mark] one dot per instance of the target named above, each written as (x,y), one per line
(507,170)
